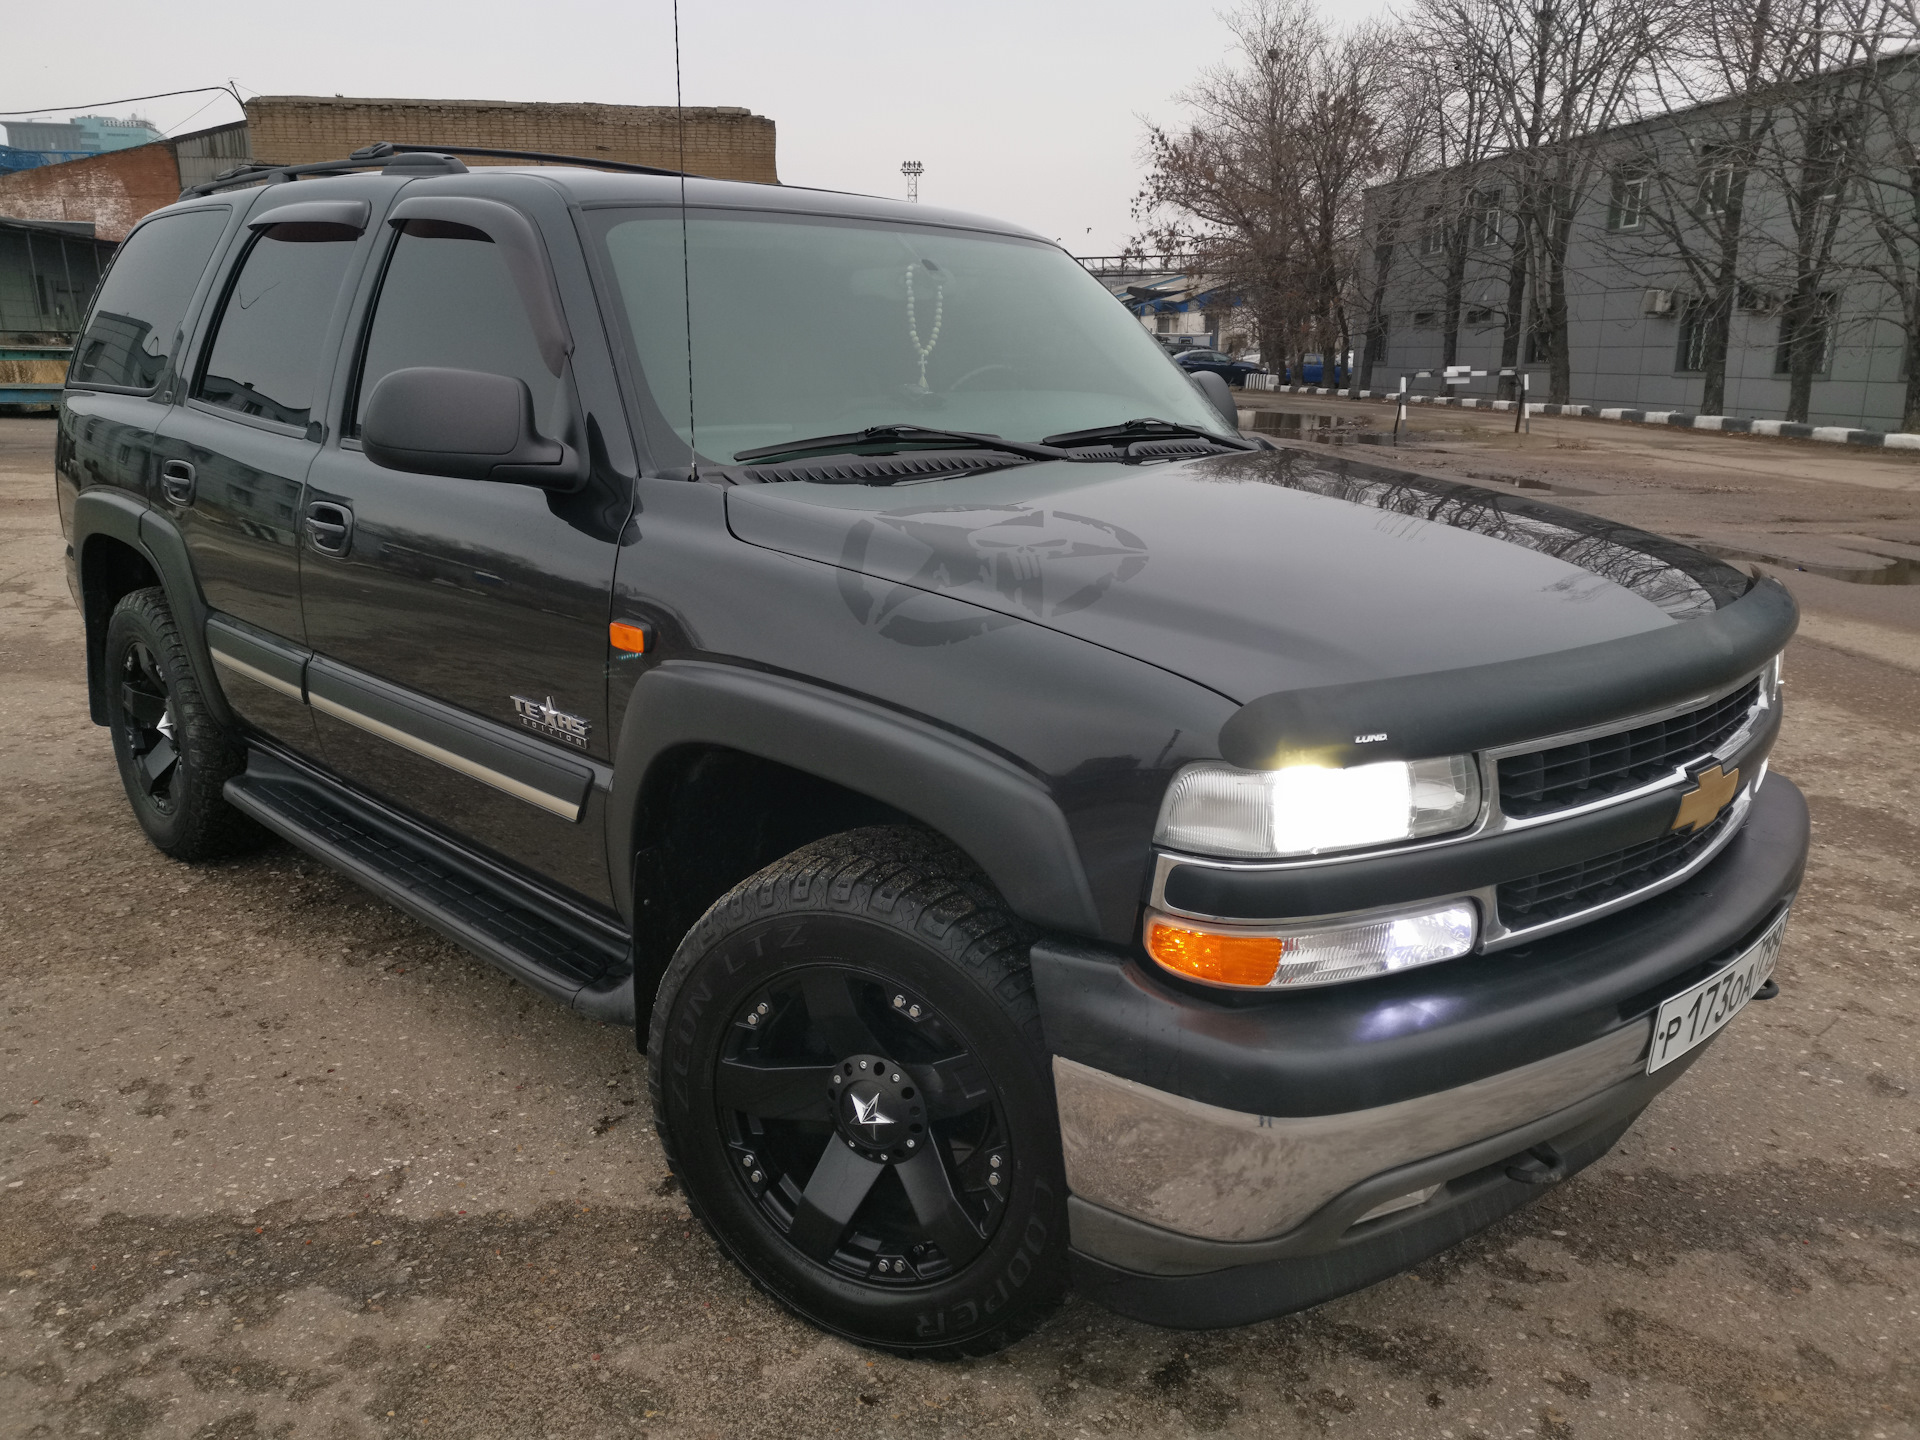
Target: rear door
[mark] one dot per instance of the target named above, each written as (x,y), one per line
(460,626)
(122,371)
(234,456)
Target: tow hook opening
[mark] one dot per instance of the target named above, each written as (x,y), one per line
(1541,1165)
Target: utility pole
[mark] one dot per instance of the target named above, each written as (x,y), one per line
(912,169)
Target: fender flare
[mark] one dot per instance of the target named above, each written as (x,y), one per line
(999,814)
(131,521)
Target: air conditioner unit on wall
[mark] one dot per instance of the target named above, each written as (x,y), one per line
(1657,302)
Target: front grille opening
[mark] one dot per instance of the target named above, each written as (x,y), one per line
(1546,781)
(1555,894)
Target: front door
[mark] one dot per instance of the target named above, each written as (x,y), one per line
(460,626)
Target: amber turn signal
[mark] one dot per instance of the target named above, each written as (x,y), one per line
(626,636)
(1213,957)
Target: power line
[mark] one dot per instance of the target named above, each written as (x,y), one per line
(125,100)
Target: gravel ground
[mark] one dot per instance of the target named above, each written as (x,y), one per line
(275,1160)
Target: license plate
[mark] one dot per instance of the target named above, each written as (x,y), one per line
(1696,1014)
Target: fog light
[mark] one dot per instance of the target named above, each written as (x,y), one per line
(1298,958)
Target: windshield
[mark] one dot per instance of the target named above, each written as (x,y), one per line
(805,327)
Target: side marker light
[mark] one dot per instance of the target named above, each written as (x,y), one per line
(629,637)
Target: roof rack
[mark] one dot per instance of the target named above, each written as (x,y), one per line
(394,159)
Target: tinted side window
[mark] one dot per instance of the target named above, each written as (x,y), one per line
(448,300)
(144,299)
(266,356)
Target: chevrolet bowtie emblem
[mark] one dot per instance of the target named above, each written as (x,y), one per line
(1712,792)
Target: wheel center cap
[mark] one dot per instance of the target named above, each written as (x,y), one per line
(874,1105)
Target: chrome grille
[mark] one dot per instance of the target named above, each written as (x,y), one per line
(1552,894)
(1542,782)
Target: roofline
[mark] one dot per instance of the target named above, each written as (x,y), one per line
(1899,58)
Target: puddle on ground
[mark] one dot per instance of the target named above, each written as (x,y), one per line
(1890,569)
(1325,429)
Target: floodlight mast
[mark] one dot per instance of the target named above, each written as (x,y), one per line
(912,169)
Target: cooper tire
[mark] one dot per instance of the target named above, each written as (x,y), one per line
(923,1214)
(173,756)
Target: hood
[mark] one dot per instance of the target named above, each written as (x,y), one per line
(1249,574)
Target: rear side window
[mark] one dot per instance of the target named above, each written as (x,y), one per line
(448,300)
(266,356)
(144,299)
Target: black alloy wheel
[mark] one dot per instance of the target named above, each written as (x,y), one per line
(877,1146)
(848,1075)
(173,756)
(146,726)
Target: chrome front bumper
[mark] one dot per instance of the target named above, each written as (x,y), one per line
(1224,1175)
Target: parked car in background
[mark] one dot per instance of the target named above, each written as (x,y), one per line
(1216,362)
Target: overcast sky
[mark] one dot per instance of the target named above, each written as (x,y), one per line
(1027,109)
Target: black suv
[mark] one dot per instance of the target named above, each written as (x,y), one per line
(1038,833)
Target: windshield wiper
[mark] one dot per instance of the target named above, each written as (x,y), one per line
(1146,429)
(880,435)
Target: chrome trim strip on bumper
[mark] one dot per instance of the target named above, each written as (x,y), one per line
(1220,1174)
(254,672)
(519,789)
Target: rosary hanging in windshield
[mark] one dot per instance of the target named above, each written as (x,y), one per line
(913,322)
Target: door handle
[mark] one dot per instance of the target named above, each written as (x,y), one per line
(329,527)
(176,481)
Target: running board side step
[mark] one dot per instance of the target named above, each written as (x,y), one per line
(584,962)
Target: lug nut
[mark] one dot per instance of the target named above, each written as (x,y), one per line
(898,1001)
(993,1179)
(852,1146)
(836,1079)
(911,1144)
(758,1177)
(863,1064)
(747,1160)
(753,1019)
(763,1008)
(914,1011)
(995,1162)
(895,1079)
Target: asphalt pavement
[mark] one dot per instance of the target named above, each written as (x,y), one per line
(277,1161)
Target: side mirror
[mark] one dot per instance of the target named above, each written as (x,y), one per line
(1210,385)
(467,425)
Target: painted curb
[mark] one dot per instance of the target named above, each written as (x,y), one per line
(1728,424)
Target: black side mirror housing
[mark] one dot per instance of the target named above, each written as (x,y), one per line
(1218,395)
(467,425)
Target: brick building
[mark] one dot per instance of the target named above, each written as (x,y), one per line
(723,141)
(112,191)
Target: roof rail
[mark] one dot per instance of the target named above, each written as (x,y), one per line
(395,159)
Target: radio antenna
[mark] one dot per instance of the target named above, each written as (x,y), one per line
(686,269)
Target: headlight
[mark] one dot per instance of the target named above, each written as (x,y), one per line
(1299,957)
(1213,808)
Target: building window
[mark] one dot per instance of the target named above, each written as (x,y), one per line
(1433,235)
(1486,218)
(1166,323)
(1482,315)
(1716,178)
(1426,319)
(1821,338)
(1628,205)
(1690,351)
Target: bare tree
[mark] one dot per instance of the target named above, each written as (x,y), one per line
(1889,193)
(1262,190)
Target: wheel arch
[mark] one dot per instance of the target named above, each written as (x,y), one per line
(835,750)
(122,545)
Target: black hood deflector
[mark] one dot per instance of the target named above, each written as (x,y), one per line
(1409,717)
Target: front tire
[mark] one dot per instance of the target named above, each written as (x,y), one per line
(849,1078)
(173,755)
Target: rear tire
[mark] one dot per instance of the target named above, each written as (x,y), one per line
(174,757)
(849,1078)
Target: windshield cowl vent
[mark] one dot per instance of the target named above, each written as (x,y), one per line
(878,468)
